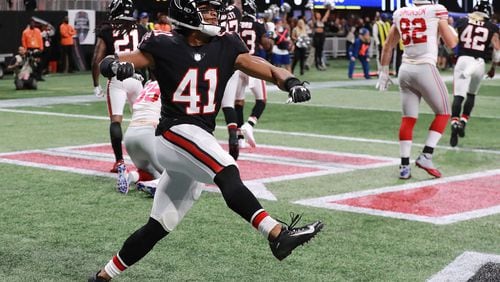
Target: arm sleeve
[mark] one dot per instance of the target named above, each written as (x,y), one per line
(441,12)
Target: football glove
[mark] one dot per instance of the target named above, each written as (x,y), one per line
(384,80)
(98,91)
(297,92)
(491,73)
(111,67)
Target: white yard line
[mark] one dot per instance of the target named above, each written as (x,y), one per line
(464,267)
(277,132)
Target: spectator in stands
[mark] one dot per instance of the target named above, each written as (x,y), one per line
(30,5)
(282,46)
(350,29)
(302,41)
(380,31)
(144,21)
(162,23)
(318,26)
(67,32)
(32,40)
(47,34)
(359,50)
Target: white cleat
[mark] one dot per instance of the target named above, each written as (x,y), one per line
(122,181)
(247,131)
(242,143)
(148,186)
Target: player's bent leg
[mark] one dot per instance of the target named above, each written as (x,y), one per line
(282,239)
(115,134)
(405,142)
(456,108)
(135,247)
(468,106)
(436,130)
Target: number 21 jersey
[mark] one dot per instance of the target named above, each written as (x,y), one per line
(418,27)
(119,41)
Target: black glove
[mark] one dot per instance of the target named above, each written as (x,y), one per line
(297,92)
(110,67)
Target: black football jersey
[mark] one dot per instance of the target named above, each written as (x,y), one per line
(230,19)
(474,37)
(117,41)
(251,32)
(191,79)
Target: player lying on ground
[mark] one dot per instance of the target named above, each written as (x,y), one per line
(478,37)
(192,66)
(419,27)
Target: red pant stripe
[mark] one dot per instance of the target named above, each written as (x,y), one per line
(194,150)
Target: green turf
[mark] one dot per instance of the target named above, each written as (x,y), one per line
(54,85)
(58,226)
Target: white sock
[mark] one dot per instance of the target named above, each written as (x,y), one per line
(405,148)
(433,138)
(115,266)
(263,222)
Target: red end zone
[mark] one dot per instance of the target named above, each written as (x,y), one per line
(440,201)
(257,166)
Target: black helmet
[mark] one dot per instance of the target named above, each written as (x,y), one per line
(121,10)
(484,8)
(249,8)
(186,14)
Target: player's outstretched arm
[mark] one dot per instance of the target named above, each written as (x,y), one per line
(495,41)
(99,53)
(123,65)
(260,68)
(448,34)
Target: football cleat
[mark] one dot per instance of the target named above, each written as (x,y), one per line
(122,182)
(148,187)
(454,134)
(247,131)
(95,278)
(424,161)
(461,128)
(115,166)
(404,172)
(291,237)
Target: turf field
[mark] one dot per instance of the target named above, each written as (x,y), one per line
(62,225)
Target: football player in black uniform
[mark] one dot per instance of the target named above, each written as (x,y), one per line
(192,66)
(478,38)
(119,34)
(253,34)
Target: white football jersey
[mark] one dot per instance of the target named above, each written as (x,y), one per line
(418,28)
(147,106)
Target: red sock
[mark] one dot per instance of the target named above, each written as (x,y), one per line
(144,175)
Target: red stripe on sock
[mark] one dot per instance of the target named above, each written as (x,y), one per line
(406,129)
(439,123)
(196,152)
(466,117)
(258,219)
(118,263)
(232,126)
(144,175)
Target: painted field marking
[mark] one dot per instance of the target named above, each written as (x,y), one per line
(464,267)
(441,201)
(258,166)
(276,132)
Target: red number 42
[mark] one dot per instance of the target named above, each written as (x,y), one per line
(413,32)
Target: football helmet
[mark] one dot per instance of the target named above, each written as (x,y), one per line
(249,8)
(187,14)
(121,10)
(484,9)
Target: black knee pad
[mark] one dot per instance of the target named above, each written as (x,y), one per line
(229,115)
(115,131)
